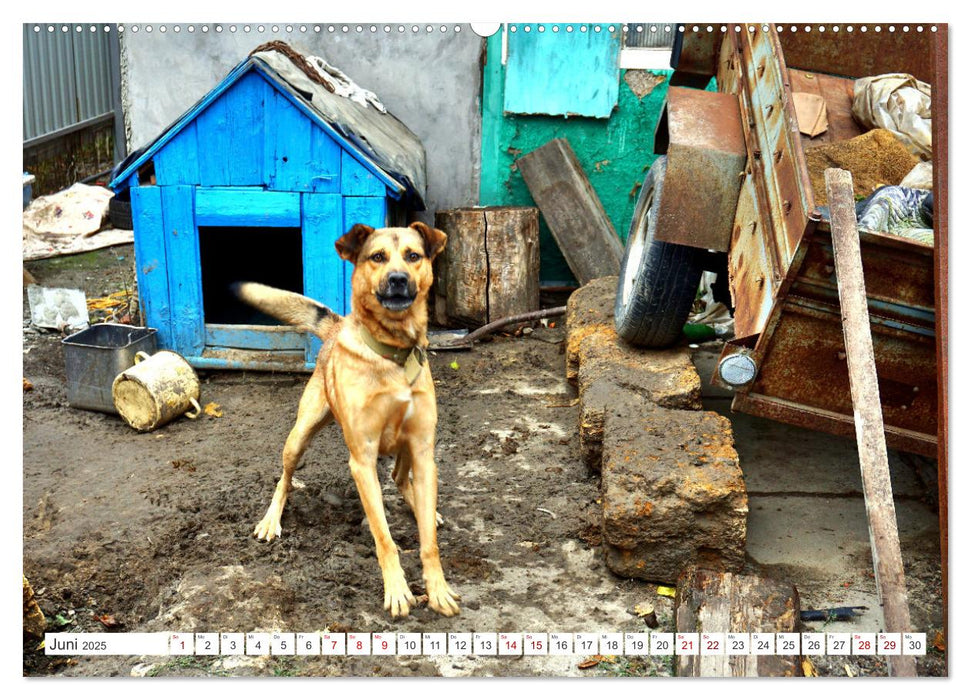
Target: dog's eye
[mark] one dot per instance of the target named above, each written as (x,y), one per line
(413,257)
(378,258)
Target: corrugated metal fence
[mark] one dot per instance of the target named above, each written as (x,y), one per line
(650,36)
(68,78)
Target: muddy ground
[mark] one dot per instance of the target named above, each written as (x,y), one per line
(154,529)
(152,532)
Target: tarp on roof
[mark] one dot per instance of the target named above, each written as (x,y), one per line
(379,135)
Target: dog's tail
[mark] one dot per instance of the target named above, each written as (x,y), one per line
(289,307)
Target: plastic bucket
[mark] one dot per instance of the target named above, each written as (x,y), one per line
(158,389)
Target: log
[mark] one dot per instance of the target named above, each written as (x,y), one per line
(870,438)
(490,267)
(719,602)
(572,210)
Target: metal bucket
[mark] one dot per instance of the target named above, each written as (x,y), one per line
(158,389)
(94,357)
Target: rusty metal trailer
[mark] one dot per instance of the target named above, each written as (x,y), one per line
(787,360)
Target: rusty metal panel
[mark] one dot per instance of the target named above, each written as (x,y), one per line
(802,376)
(775,149)
(804,364)
(699,50)
(899,277)
(856,54)
(706,153)
(727,76)
(784,411)
(752,273)
(783,278)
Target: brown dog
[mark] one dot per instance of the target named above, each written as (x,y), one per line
(372,376)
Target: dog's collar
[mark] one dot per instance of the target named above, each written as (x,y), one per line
(411,359)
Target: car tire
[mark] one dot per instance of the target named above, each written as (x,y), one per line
(658,280)
(119,213)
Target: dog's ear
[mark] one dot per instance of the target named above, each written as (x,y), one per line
(434,239)
(350,244)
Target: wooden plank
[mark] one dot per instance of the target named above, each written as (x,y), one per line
(870,440)
(563,72)
(184,270)
(323,269)
(265,360)
(230,133)
(178,162)
(247,337)
(214,134)
(287,149)
(246,206)
(358,181)
(150,261)
(372,211)
(244,103)
(325,164)
(720,602)
(572,210)
(939,95)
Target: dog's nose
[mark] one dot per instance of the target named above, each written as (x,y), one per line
(397,282)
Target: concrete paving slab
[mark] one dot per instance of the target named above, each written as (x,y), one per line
(777,458)
(823,544)
(822,532)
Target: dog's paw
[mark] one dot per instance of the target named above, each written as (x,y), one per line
(398,599)
(443,600)
(439,520)
(268,528)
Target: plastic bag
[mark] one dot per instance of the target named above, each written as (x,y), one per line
(899,103)
(921,177)
(901,211)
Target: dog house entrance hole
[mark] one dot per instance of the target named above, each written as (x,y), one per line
(228,254)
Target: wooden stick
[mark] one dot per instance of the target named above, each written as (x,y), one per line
(501,323)
(868,415)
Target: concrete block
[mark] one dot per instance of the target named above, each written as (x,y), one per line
(612,373)
(608,371)
(672,492)
(590,309)
(598,396)
(665,377)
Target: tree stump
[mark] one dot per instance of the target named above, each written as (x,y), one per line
(490,266)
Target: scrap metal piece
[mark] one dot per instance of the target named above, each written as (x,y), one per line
(701,132)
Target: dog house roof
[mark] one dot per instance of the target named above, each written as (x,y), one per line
(350,115)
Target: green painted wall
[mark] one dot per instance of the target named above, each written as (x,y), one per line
(615,153)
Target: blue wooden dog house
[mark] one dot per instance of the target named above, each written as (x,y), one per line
(256,182)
